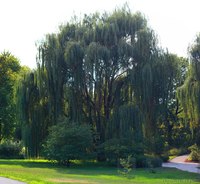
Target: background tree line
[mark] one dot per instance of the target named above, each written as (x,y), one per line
(107,74)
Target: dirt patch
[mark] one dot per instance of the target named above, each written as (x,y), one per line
(62,180)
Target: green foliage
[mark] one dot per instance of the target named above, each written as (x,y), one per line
(183,129)
(141,161)
(189,93)
(126,164)
(155,145)
(32,110)
(178,151)
(68,141)
(119,148)
(165,157)
(153,162)
(124,133)
(106,71)
(9,70)
(148,161)
(195,153)
(11,150)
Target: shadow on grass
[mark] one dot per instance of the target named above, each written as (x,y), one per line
(75,166)
(28,163)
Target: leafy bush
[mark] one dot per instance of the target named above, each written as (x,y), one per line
(116,149)
(177,151)
(165,157)
(11,149)
(148,161)
(68,141)
(141,161)
(120,149)
(174,152)
(153,162)
(155,145)
(195,153)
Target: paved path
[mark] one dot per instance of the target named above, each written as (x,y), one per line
(9,181)
(181,164)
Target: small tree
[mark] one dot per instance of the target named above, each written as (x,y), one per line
(127,164)
(68,141)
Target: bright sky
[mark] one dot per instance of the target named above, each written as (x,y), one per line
(25,22)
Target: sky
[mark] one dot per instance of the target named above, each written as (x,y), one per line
(24,23)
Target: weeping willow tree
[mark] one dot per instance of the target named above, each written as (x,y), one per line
(33,113)
(74,56)
(87,59)
(91,71)
(189,93)
(28,104)
(154,80)
(141,76)
(51,75)
(130,123)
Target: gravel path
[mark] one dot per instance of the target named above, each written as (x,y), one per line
(9,181)
(179,163)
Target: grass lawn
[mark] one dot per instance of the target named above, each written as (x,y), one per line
(39,172)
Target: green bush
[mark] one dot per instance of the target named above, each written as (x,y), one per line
(148,161)
(155,145)
(153,162)
(11,149)
(68,141)
(164,157)
(116,149)
(195,153)
(141,161)
(177,151)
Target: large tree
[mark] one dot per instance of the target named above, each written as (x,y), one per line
(106,70)
(189,93)
(9,69)
(90,61)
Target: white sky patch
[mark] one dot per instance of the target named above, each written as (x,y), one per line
(25,22)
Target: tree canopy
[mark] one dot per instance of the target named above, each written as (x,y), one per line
(9,70)
(189,93)
(107,71)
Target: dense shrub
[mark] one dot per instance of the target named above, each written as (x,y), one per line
(141,161)
(116,149)
(155,145)
(11,149)
(154,162)
(120,149)
(195,153)
(177,151)
(68,141)
(164,157)
(148,161)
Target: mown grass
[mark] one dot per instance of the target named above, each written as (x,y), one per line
(44,172)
